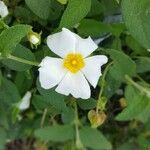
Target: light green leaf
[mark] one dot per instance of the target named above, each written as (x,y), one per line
(136,14)
(143,64)
(123,64)
(56,133)
(76,10)
(94,139)
(10,37)
(137,103)
(21,52)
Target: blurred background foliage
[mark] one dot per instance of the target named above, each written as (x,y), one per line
(121,28)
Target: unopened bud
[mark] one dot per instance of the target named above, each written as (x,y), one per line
(96,119)
(63,2)
(123,102)
(34,39)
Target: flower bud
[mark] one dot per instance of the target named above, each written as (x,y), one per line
(123,102)
(34,39)
(96,119)
(63,2)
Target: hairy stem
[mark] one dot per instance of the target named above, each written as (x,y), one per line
(78,142)
(103,85)
(43,117)
(137,86)
(22,60)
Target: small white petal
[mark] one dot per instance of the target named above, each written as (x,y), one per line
(25,102)
(3,9)
(92,69)
(62,43)
(51,72)
(34,39)
(74,84)
(85,46)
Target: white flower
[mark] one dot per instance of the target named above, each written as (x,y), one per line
(74,69)
(3,9)
(25,102)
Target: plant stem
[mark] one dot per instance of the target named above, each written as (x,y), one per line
(139,87)
(103,85)
(22,60)
(78,143)
(43,117)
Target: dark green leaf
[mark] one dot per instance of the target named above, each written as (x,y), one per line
(21,52)
(90,27)
(56,133)
(42,8)
(76,10)
(92,138)
(136,14)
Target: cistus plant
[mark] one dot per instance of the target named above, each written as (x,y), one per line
(75,74)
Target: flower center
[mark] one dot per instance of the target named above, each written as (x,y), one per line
(74,62)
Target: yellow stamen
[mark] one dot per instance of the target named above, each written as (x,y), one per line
(74,62)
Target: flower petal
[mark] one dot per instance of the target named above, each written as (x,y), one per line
(51,72)
(3,9)
(85,46)
(92,69)
(25,101)
(74,84)
(62,43)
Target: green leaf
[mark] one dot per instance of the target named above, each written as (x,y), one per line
(90,27)
(68,115)
(42,102)
(21,52)
(143,64)
(24,14)
(12,36)
(123,64)
(42,8)
(111,84)
(52,97)
(136,46)
(136,14)
(137,102)
(76,10)
(23,81)
(94,139)
(56,133)
(110,7)
(87,104)
(96,8)
(3,136)
(8,93)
